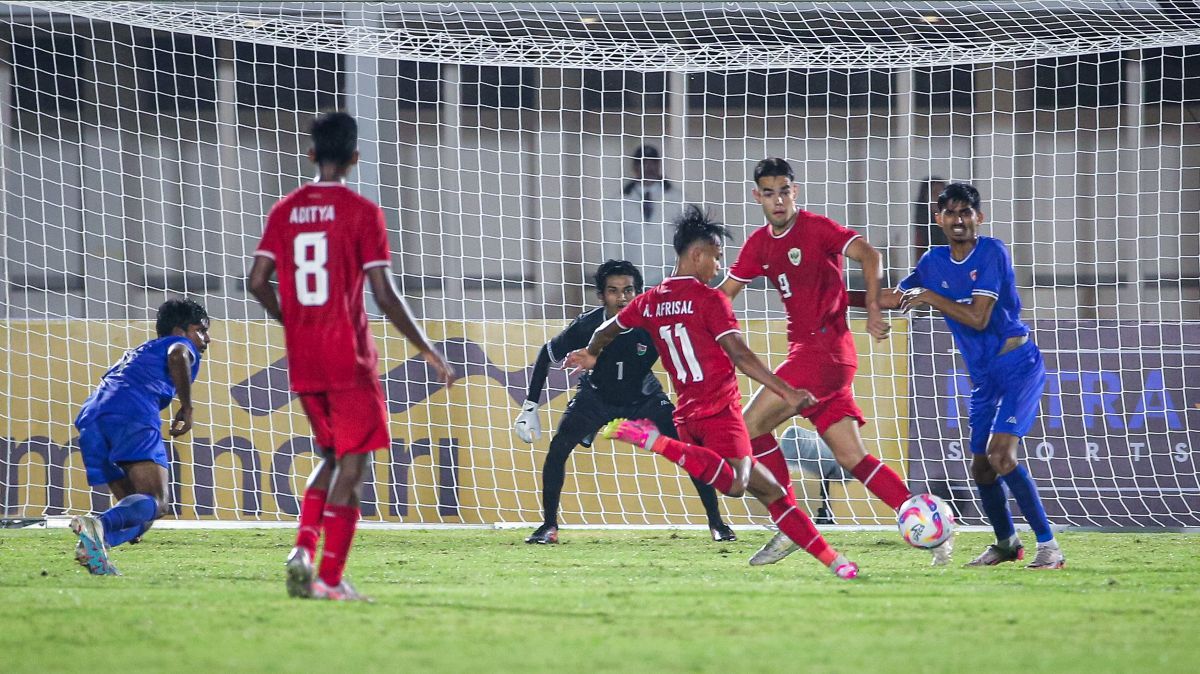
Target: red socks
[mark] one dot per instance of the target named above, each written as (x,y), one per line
(339,523)
(768,452)
(311,509)
(876,476)
(794,522)
(701,463)
(881,481)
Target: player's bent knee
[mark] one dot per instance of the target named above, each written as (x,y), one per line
(982,471)
(1002,462)
(351,468)
(765,411)
(849,456)
(772,494)
(559,451)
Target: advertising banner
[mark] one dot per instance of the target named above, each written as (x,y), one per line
(453,456)
(1113,444)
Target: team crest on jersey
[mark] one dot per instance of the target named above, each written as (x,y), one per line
(641,349)
(945,285)
(794,256)
(974,274)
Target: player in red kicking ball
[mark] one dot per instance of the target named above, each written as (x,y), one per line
(694,329)
(325,240)
(801,254)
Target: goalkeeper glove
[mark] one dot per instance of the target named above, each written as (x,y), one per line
(528,427)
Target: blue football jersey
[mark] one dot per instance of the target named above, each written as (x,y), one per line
(987,270)
(139,385)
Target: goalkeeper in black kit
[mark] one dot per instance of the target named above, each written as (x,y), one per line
(620,385)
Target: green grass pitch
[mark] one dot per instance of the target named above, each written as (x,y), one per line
(613,601)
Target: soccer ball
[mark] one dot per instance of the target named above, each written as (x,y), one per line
(925,521)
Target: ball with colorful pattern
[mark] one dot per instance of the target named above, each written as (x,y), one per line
(925,521)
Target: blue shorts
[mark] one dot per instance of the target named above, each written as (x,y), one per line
(1006,398)
(110,440)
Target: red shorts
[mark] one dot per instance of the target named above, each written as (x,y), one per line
(829,381)
(349,421)
(724,433)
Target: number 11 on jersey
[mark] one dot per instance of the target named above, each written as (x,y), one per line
(689,354)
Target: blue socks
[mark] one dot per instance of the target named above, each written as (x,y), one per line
(995,506)
(114,538)
(1025,493)
(124,521)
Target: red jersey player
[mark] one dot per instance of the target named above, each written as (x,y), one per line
(324,239)
(694,329)
(801,254)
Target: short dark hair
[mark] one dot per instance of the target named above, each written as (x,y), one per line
(645,151)
(617,268)
(178,314)
(771,167)
(695,224)
(334,138)
(964,192)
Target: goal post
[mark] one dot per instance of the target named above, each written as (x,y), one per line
(516,146)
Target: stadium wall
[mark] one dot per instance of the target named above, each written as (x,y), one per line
(108,209)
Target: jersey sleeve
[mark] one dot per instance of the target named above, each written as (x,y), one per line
(747,267)
(193,361)
(991,274)
(373,244)
(718,316)
(576,336)
(631,315)
(270,246)
(835,237)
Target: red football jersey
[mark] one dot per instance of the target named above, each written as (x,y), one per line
(323,237)
(805,266)
(685,318)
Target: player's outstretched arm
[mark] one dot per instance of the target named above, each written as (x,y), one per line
(732,287)
(889,298)
(865,254)
(746,361)
(179,365)
(527,425)
(396,309)
(259,285)
(975,315)
(603,336)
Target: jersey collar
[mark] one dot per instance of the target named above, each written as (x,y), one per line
(950,252)
(771,229)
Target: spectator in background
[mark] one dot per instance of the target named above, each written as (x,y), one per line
(639,231)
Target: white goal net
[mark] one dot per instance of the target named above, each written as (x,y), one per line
(515,146)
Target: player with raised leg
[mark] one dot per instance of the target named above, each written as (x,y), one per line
(801,255)
(620,385)
(694,324)
(972,283)
(119,431)
(325,240)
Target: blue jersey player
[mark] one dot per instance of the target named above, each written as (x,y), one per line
(120,436)
(971,282)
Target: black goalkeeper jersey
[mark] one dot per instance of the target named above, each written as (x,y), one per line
(622,375)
